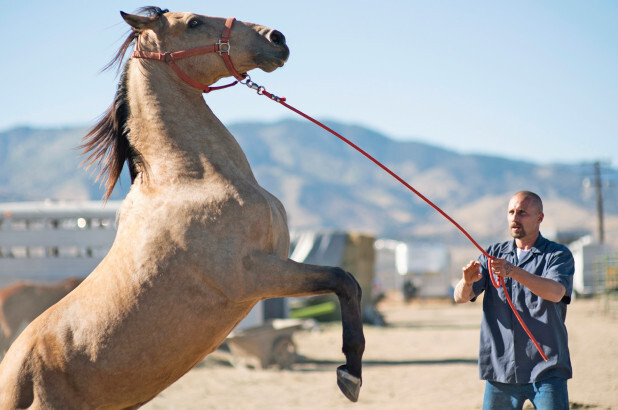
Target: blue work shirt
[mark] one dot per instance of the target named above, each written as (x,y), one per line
(506,353)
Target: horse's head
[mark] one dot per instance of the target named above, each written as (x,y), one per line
(200,49)
(250,45)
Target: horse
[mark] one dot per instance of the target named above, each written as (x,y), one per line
(22,302)
(199,241)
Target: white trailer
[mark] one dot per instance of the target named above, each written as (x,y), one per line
(48,241)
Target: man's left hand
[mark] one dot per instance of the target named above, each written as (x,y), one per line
(502,267)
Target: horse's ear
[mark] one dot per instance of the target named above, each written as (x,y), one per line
(139,23)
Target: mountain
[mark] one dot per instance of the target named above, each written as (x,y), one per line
(324,183)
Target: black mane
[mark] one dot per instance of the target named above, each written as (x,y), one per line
(107,144)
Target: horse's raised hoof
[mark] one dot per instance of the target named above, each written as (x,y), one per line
(350,385)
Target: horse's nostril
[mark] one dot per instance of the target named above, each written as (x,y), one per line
(276,37)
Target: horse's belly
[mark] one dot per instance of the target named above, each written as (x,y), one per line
(130,360)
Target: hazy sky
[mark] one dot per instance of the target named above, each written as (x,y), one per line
(534,80)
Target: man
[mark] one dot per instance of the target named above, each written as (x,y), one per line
(538,275)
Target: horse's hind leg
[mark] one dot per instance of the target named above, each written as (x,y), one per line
(279,278)
(16,384)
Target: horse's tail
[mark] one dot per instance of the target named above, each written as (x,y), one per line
(5,295)
(5,333)
(5,329)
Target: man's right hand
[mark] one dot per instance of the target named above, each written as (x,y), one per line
(472,272)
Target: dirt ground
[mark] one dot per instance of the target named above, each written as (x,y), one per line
(426,358)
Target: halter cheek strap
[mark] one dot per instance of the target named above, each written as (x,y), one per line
(222,47)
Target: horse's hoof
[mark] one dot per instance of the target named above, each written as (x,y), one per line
(349,385)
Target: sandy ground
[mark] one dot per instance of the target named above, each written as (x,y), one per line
(425,359)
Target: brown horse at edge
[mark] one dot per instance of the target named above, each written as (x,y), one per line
(199,241)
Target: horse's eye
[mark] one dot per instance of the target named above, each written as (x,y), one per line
(193,23)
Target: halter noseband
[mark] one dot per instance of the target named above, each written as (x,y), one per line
(222,47)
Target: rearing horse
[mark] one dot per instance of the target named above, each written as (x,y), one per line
(199,242)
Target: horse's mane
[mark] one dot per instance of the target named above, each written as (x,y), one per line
(107,144)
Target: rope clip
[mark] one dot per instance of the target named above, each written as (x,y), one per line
(261,90)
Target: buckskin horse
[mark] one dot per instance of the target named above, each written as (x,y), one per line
(199,241)
(22,302)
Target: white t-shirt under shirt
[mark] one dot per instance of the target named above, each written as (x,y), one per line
(521,253)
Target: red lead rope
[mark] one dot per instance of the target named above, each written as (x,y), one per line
(223,48)
(500,281)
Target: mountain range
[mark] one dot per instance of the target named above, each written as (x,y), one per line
(324,184)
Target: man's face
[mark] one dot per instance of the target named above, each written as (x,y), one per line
(524,217)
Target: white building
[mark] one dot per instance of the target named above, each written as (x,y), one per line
(590,271)
(50,240)
(426,265)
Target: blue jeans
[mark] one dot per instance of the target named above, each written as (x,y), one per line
(549,394)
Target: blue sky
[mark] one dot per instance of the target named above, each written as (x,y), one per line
(532,80)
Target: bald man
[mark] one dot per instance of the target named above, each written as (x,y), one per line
(538,275)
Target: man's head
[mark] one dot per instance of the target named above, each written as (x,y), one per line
(525,214)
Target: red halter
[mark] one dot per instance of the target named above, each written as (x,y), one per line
(222,47)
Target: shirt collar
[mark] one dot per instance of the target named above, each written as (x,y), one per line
(538,247)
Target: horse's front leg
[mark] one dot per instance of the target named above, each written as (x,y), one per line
(275,277)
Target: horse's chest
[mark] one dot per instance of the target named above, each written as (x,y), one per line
(246,212)
(251,205)
(214,223)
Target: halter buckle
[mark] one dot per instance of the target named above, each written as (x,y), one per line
(224,47)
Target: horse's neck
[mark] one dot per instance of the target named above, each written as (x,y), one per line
(177,134)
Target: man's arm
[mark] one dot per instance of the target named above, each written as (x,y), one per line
(463,291)
(545,288)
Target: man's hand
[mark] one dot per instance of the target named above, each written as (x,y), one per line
(502,267)
(472,272)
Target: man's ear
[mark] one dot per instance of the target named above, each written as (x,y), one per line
(138,23)
(541,216)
